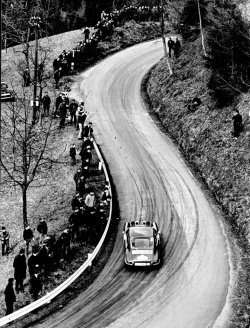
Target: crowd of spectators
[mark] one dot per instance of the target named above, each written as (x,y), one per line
(76,58)
(44,251)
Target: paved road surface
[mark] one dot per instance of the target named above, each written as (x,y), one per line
(153,183)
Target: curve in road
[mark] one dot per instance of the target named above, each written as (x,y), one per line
(190,288)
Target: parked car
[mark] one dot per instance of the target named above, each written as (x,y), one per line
(141,244)
(6,94)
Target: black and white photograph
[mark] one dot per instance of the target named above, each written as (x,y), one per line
(125,164)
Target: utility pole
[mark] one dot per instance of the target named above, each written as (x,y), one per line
(35,22)
(161,12)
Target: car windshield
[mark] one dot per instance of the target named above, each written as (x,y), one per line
(142,243)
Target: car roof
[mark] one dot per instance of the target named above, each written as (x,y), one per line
(141,231)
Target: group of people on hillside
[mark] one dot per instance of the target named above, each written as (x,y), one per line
(174,47)
(35,264)
(41,253)
(68,61)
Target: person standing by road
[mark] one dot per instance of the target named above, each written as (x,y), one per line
(87,131)
(5,240)
(86,33)
(75,223)
(59,100)
(26,77)
(42,228)
(72,110)
(19,265)
(34,262)
(62,112)
(10,296)
(237,123)
(57,75)
(90,201)
(72,153)
(81,117)
(77,176)
(76,203)
(28,237)
(171,46)
(177,48)
(46,103)
(86,156)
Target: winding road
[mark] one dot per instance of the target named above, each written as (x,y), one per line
(190,289)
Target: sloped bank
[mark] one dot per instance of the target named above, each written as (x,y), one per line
(205,138)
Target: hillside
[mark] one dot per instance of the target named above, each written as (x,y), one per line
(205,138)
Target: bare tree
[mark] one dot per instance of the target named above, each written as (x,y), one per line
(26,148)
(16,26)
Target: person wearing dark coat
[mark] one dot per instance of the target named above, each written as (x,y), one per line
(81,185)
(237,123)
(87,142)
(5,241)
(81,117)
(87,131)
(62,112)
(72,110)
(65,242)
(10,296)
(46,103)
(57,75)
(85,170)
(26,77)
(33,263)
(43,257)
(86,33)
(72,153)
(76,203)
(86,156)
(59,100)
(75,223)
(171,45)
(177,47)
(35,285)
(42,228)
(27,236)
(19,265)
(56,64)
(77,176)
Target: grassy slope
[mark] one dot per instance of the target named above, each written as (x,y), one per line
(205,138)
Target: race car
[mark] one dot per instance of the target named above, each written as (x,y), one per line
(141,244)
(6,94)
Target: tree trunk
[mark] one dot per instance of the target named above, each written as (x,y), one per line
(201,29)
(25,217)
(35,76)
(26,48)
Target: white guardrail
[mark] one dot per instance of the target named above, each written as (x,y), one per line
(49,296)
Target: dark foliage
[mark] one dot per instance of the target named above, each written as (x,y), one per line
(228,41)
(190,18)
(94,9)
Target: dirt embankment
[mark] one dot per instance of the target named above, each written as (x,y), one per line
(205,138)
